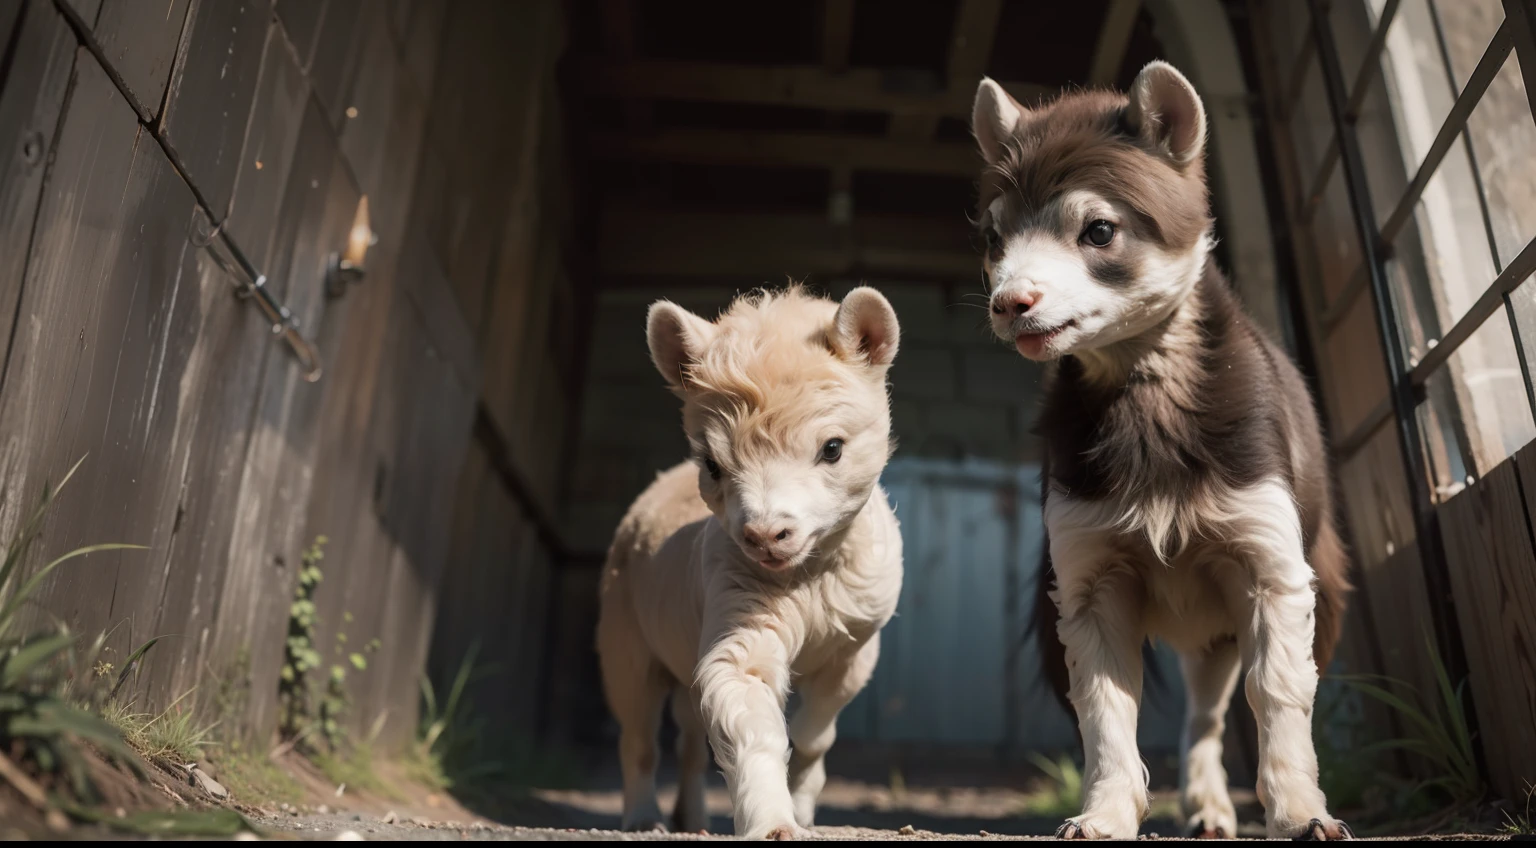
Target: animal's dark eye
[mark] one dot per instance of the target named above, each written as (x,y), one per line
(832,451)
(713,468)
(1099,233)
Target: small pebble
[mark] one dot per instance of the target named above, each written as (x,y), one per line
(390,817)
(907,830)
(323,810)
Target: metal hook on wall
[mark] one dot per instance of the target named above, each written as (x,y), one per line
(250,283)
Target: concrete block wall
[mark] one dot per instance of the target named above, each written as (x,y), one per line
(956,392)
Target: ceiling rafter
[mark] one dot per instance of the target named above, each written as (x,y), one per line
(639,241)
(788,149)
(970,51)
(1114,40)
(618,26)
(899,92)
(836,43)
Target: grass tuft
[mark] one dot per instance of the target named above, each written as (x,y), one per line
(1060,794)
(352,766)
(48,685)
(1438,728)
(456,750)
(254,778)
(174,732)
(1521,823)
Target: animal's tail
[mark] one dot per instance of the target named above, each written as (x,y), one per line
(1331,564)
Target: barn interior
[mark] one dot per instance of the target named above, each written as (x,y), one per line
(377,272)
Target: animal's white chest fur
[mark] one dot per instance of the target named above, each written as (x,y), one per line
(838,610)
(841,611)
(822,617)
(1186,593)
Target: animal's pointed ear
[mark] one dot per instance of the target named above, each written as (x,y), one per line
(865,329)
(1167,113)
(677,338)
(993,118)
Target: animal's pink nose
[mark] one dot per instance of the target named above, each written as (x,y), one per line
(1015,303)
(765,535)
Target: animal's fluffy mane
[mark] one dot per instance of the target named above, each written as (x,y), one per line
(771,369)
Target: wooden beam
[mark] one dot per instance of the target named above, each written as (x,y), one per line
(1114,39)
(901,92)
(792,150)
(618,28)
(836,42)
(836,35)
(640,242)
(970,51)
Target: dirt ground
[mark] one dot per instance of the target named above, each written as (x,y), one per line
(966,805)
(850,811)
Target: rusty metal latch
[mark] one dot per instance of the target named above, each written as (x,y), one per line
(252,284)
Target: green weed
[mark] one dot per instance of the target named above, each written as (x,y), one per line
(455,750)
(1521,823)
(48,685)
(1060,795)
(353,767)
(174,732)
(1438,731)
(253,778)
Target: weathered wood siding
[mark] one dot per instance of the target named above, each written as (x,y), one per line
(1489,550)
(124,133)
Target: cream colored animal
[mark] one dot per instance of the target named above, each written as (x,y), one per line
(769,562)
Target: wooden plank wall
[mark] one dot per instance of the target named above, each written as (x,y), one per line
(1489,550)
(124,132)
(509,247)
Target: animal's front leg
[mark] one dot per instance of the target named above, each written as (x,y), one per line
(743,680)
(1275,591)
(1101,629)
(814,727)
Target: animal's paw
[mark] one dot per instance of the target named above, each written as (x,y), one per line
(1083,827)
(1200,829)
(1208,813)
(1324,830)
(646,826)
(1106,822)
(1212,824)
(1072,830)
(786,833)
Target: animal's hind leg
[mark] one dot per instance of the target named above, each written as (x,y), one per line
(814,726)
(636,688)
(1210,676)
(689,814)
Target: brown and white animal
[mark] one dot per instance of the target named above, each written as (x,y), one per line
(769,562)
(1187,488)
